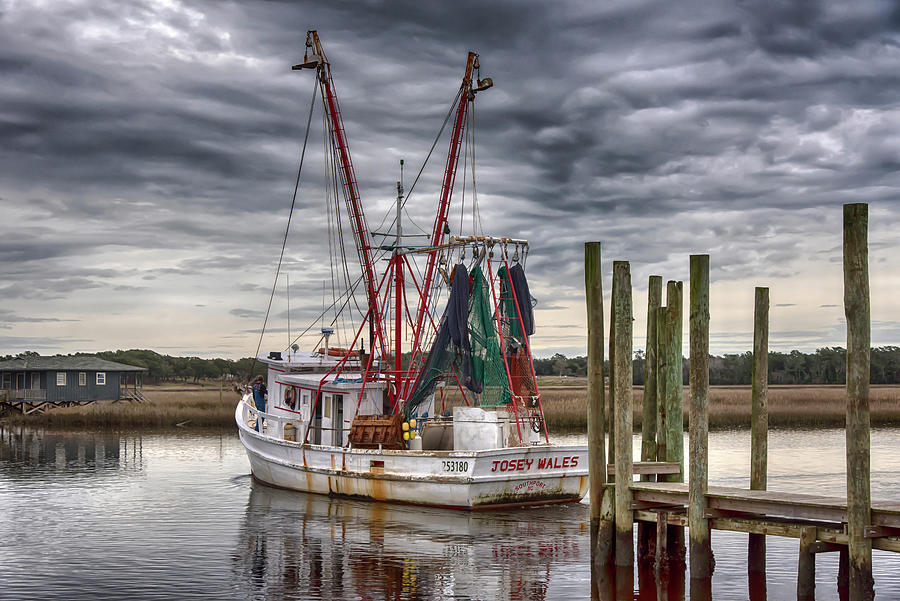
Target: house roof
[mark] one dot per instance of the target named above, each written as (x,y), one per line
(81,363)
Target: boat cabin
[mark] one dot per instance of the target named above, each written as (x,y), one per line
(295,381)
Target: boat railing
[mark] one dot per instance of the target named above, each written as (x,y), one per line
(275,424)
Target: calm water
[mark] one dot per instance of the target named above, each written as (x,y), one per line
(176,516)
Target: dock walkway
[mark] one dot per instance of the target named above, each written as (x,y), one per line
(768,512)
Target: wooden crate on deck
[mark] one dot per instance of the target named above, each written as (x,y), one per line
(370,431)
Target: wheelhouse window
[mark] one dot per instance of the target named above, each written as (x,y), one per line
(60,378)
(82,378)
(101,378)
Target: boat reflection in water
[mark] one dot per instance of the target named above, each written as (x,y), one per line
(308,546)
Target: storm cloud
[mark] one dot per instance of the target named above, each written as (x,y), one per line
(150,149)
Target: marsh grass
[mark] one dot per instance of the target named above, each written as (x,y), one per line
(565,408)
(193,406)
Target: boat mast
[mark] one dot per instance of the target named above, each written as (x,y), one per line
(398,297)
(318,62)
(466,95)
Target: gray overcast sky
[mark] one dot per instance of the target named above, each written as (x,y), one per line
(149,150)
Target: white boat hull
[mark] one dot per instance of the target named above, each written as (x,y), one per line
(488,479)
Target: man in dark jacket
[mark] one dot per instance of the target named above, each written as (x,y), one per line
(259,398)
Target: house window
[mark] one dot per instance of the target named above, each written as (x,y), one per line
(60,378)
(101,378)
(6,381)
(82,378)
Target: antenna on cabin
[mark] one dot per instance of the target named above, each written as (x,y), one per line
(288,287)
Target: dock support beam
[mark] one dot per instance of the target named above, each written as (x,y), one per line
(856,310)
(806,566)
(759,421)
(647,531)
(701,551)
(624,379)
(593,284)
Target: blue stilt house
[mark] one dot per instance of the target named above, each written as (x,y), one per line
(30,384)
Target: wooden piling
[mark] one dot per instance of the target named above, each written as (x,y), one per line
(856,310)
(674,385)
(701,552)
(662,530)
(624,379)
(674,405)
(611,404)
(843,578)
(606,537)
(662,380)
(759,421)
(647,531)
(806,566)
(593,284)
(649,411)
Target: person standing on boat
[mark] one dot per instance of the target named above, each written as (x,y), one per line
(259,398)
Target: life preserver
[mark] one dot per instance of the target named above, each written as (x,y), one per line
(290,397)
(337,351)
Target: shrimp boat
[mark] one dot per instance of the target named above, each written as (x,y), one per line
(431,399)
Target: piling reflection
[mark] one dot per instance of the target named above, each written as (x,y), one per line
(314,547)
(653,584)
(757,586)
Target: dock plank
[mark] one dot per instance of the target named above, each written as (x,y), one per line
(766,502)
(649,467)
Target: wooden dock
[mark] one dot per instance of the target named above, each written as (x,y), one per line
(768,513)
(664,505)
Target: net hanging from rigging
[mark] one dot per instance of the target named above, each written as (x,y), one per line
(487,361)
(518,323)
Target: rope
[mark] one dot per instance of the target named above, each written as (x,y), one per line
(287,228)
(476,211)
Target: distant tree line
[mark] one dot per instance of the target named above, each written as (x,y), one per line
(165,368)
(825,366)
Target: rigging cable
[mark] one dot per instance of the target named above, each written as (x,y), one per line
(347,293)
(287,229)
(477,228)
(331,217)
(421,169)
(462,207)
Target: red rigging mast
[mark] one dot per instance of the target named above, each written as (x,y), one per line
(466,95)
(317,61)
(314,58)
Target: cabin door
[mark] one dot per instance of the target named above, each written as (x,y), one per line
(316,434)
(338,419)
(20,380)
